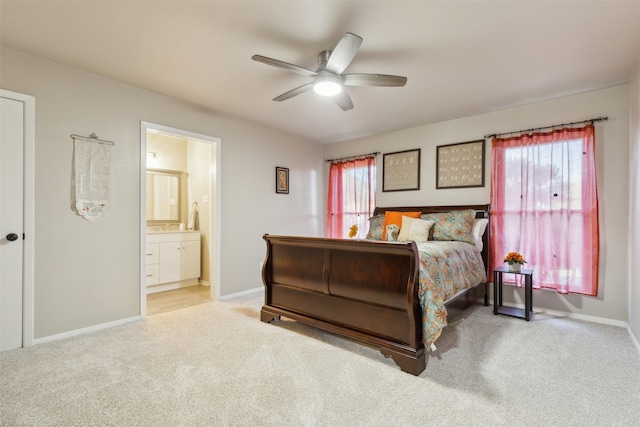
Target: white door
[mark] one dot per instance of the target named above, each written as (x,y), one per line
(11,222)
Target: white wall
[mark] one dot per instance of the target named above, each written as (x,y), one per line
(88,274)
(170,154)
(200,160)
(612,149)
(634,201)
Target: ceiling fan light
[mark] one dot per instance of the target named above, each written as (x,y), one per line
(327,86)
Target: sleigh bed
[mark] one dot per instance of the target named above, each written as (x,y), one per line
(394,296)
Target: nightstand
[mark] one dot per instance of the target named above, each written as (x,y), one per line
(498,308)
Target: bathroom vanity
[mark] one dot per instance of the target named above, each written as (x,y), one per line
(172,260)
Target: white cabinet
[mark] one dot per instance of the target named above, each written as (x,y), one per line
(153,264)
(178,260)
(170,260)
(190,266)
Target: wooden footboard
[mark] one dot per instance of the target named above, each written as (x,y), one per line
(363,290)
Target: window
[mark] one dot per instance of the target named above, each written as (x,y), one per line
(352,196)
(544,205)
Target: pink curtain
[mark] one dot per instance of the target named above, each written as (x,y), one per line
(351,198)
(544,205)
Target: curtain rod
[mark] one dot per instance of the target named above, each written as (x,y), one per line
(597,119)
(353,157)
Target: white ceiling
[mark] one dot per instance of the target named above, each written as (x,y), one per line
(461,58)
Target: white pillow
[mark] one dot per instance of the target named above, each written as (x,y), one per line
(404,228)
(479,225)
(420,229)
(415,229)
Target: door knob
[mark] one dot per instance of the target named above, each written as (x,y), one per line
(12,236)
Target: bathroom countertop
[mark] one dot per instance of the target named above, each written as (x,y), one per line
(173,231)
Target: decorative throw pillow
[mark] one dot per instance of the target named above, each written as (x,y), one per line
(391,232)
(394,217)
(454,225)
(376,224)
(405,227)
(479,225)
(414,229)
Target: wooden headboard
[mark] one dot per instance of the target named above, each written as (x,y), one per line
(482,211)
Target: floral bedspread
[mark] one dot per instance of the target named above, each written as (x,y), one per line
(445,269)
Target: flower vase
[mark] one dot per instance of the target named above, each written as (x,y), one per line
(515,267)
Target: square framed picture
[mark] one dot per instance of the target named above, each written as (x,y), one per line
(460,165)
(282,180)
(401,171)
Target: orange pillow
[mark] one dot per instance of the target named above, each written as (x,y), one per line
(394,217)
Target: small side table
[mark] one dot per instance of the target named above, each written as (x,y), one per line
(498,308)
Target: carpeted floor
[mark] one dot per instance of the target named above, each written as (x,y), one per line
(216,364)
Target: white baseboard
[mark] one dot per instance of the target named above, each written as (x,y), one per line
(171,286)
(123,321)
(85,330)
(585,317)
(558,313)
(634,339)
(240,294)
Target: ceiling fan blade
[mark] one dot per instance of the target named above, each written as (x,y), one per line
(344,101)
(343,53)
(294,92)
(285,65)
(373,80)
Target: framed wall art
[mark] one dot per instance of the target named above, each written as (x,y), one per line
(401,171)
(460,165)
(282,180)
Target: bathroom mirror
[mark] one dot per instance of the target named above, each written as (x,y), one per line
(163,196)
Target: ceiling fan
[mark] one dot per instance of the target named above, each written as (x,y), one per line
(328,79)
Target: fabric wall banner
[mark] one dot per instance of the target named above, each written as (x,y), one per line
(91,176)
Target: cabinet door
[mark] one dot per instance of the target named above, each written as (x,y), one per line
(191,259)
(152,253)
(152,275)
(170,262)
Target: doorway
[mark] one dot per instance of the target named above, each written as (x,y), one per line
(197,158)
(17,124)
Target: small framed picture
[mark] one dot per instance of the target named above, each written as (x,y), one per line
(282,180)
(401,171)
(460,165)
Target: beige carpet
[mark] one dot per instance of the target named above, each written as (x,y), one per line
(216,364)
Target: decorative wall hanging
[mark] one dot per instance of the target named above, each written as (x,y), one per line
(401,171)
(282,180)
(460,165)
(91,174)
